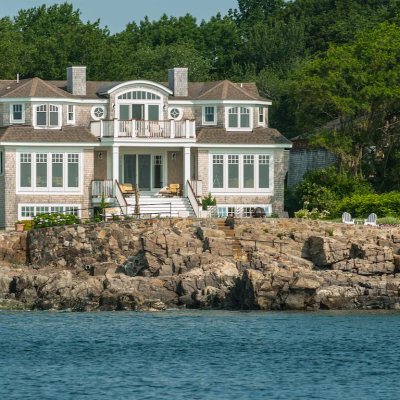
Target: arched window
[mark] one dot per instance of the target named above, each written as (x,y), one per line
(139,95)
(239,117)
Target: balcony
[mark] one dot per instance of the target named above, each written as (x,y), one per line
(134,129)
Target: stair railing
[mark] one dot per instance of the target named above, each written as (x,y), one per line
(119,195)
(193,200)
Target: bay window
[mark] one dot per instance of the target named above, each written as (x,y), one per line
(47,172)
(17,113)
(218,171)
(239,118)
(241,173)
(48,116)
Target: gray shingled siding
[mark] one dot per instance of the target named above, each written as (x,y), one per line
(76,81)
(178,81)
(304,159)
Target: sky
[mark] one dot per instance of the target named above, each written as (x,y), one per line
(117,13)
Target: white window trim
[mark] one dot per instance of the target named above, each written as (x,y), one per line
(97,118)
(2,155)
(180,113)
(20,217)
(251,116)
(239,208)
(36,126)
(71,121)
(256,191)
(65,190)
(264,114)
(204,122)
(16,121)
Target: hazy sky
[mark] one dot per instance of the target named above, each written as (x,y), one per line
(117,13)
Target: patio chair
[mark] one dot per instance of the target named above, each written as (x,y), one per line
(371,221)
(127,189)
(172,190)
(346,219)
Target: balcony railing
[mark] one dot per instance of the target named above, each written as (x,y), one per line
(144,129)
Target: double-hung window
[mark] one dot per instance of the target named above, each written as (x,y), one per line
(261,116)
(233,172)
(239,118)
(263,171)
(17,113)
(71,114)
(48,172)
(248,172)
(209,115)
(48,116)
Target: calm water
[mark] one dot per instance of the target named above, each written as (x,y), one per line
(199,355)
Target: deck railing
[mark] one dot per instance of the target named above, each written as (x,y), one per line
(103,187)
(132,128)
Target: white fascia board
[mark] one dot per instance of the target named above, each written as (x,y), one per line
(42,144)
(53,100)
(139,82)
(222,102)
(245,146)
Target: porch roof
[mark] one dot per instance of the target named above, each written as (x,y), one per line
(27,134)
(257,136)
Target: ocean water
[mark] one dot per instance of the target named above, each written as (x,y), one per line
(199,355)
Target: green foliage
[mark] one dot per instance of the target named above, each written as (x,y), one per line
(389,221)
(58,219)
(266,230)
(87,221)
(329,232)
(280,235)
(208,201)
(313,214)
(360,206)
(245,230)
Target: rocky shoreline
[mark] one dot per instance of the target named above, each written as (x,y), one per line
(201,264)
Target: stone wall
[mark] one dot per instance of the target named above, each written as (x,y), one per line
(13,248)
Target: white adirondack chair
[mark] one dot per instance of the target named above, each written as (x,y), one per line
(371,221)
(346,219)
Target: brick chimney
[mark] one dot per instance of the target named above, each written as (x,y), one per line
(178,81)
(76,80)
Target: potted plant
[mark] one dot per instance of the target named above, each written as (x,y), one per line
(19,226)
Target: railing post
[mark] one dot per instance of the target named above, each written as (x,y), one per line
(116,127)
(101,128)
(172,128)
(187,129)
(134,128)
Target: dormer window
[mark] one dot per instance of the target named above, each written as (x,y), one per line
(239,118)
(48,116)
(261,116)
(17,113)
(71,114)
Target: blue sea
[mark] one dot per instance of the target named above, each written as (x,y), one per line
(199,355)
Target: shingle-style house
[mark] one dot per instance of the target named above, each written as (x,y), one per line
(65,143)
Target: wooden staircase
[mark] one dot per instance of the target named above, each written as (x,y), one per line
(237,249)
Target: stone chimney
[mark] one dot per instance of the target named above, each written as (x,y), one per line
(76,81)
(178,81)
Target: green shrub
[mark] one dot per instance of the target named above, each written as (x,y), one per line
(245,230)
(389,221)
(266,230)
(384,205)
(313,214)
(280,235)
(58,219)
(329,232)
(208,201)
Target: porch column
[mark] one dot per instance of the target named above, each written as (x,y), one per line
(115,163)
(186,168)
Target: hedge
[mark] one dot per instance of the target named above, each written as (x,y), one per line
(387,204)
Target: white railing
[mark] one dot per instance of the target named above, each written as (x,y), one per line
(103,187)
(193,200)
(197,187)
(145,129)
(121,198)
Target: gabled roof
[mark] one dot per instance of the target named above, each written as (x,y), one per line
(68,134)
(257,136)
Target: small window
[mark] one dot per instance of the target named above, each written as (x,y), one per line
(209,115)
(248,212)
(261,116)
(239,117)
(71,114)
(17,113)
(175,113)
(222,212)
(98,112)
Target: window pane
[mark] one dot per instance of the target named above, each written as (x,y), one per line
(157,172)
(57,170)
(233,120)
(41,118)
(54,118)
(73,170)
(41,170)
(153,113)
(17,112)
(233,172)
(248,172)
(124,110)
(261,115)
(209,114)
(218,171)
(244,117)
(26,170)
(222,212)
(263,172)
